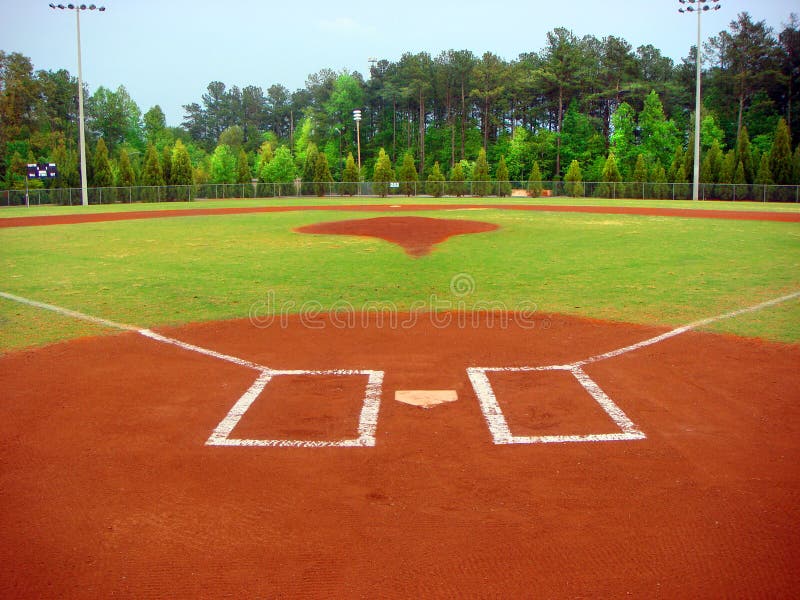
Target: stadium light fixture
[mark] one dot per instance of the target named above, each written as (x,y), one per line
(357,119)
(699,7)
(82,132)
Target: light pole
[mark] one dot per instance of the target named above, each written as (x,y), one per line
(357,119)
(82,134)
(698,6)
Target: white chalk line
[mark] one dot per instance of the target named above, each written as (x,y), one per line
(496,421)
(498,424)
(368,418)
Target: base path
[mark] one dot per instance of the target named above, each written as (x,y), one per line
(786,217)
(109,486)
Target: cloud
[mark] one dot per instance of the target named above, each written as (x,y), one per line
(345,25)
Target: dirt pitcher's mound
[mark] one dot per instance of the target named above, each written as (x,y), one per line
(416,235)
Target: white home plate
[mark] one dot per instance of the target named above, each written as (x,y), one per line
(425,398)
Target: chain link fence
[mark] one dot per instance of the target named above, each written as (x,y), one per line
(465,189)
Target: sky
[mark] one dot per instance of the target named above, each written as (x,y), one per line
(166,52)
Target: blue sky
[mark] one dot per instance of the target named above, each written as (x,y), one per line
(167,51)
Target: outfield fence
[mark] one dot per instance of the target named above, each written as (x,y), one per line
(466,189)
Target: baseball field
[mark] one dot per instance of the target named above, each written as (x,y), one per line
(206,399)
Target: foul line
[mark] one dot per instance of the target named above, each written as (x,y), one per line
(368,419)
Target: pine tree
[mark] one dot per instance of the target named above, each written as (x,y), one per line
(408,175)
(127,177)
(780,157)
(764,176)
(243,174)
(435,184)
(611,178)
(741,189)
(151,174)
(382,174)
(166,164)
(744,155)
(322,175)
(574,183)
(796,166)
(457,186)
(181,165)
(676,166)
(310,163)
(480,176)
(265,156)
(101,166)
(350,176)
(712,164)
(659,178)
(503,184)
(535,181)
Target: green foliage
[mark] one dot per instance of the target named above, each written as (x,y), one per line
(155,126)
(223,165)
(573,182)
(243,174)
(503,184)
(350,178)
(744,155)
(166,164)
(610,178)
(233,137)
(677,171)
(407,175)
(127,177)
(640,170)
(309,166)
(623,142)
(764,176)
(711,169)
(457,187)
(780,157)
(659,136)
(480,176)
(535,181)
(658,176)
(265,156)
(101,166)
(152,175)
(181,165)
(796,166)
(322,175)
(382,174)
(435,183)
(519,154)
(281,170)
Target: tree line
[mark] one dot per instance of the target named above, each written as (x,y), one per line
(579,109)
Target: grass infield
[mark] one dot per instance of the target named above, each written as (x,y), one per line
(654,270)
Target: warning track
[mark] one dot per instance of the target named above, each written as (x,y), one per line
(199,212)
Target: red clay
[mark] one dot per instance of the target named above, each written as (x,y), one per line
(107,488)
(196,212)
(416,235)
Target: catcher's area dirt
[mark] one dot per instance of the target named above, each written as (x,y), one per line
(785,217)
(416,235)
(107,488)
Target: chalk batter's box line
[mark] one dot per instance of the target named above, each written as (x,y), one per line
(367,422)
(498,424)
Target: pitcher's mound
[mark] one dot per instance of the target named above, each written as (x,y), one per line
(416,235)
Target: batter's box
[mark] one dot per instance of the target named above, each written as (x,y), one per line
(498,424)
(367,421)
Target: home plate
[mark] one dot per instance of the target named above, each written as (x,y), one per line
(425,398)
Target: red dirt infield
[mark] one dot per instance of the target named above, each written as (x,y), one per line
(108,489)
(416,235)
(198,212)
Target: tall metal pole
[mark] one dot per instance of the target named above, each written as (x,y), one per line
(82,134)
(697,6)
(696,187)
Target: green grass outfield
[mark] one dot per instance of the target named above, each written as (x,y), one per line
(643,269)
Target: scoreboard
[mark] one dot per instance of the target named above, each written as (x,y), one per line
(42,170)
